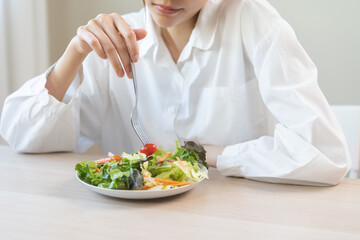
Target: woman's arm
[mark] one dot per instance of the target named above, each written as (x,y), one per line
(65,70)
(110,37)
(34,121)
(307,145)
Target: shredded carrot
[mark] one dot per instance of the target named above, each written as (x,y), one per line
(181,163)
(115,157)
(97,169)
(172,182)
(104,161)
(164,157)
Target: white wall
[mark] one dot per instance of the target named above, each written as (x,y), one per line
(66,16)
(4,72)
(26,35)
(23,43)
(330,32)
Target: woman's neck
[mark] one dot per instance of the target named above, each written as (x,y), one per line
(177,37)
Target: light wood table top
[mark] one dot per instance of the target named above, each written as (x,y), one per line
(40,198)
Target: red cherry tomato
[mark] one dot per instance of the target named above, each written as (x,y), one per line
(148,149)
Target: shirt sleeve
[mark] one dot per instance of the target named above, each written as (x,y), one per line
(308,146)
(34,121)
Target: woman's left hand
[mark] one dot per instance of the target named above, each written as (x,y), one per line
(212,152)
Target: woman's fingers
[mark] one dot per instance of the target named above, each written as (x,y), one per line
(128,35)
(125,59)
(140,33)
(108,25)
(108,47)
(110,36)
(89,42)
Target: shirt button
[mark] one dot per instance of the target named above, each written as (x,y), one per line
(171,110)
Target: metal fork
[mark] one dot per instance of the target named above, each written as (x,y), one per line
(134,117)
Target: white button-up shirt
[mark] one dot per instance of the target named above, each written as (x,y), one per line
(243,81)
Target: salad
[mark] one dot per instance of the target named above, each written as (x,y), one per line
(152,168)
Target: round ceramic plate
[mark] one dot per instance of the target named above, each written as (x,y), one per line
(139,194)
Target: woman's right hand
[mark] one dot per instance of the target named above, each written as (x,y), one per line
(111,37)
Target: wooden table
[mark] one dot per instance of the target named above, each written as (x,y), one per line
(40,198)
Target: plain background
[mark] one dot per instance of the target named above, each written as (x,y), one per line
(328,29)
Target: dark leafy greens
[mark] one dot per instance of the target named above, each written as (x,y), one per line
(196,152)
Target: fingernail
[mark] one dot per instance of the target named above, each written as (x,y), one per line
(130,75)
(136,58)
(119,73)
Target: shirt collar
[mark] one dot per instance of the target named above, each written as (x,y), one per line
(202,36)
(152,36)
(205,30)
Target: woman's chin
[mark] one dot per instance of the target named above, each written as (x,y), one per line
(166,22)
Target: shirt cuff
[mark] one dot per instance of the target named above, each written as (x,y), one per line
(229,162)
(74,86)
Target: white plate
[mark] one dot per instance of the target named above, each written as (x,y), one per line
(139,194)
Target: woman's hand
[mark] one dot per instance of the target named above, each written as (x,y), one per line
(212,152)
(111,37)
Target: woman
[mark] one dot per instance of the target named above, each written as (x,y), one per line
(230,75)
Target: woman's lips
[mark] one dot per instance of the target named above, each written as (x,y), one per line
(166,10)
